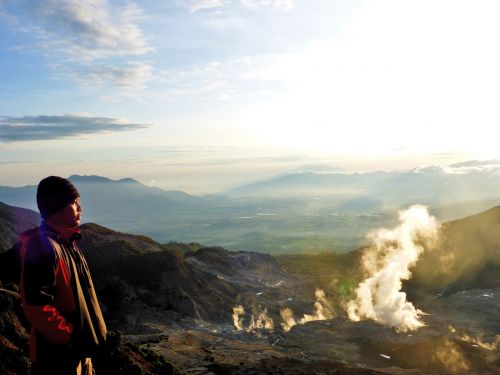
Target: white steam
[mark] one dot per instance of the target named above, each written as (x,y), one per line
(288,319)
(387,262)
(258,321)
(323,310)
(478,342)
(238,313)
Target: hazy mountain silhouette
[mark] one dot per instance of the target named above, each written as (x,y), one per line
(98,190)
(296,212)
(13,221)
(434,185)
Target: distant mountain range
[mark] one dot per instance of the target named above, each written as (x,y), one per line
(434,185)
(312,209)
(97,191)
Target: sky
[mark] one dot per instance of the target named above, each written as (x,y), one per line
(205,95)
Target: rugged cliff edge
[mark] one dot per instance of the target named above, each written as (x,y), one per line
(172,308)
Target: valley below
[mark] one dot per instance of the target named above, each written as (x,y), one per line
(460,337)
(191,309)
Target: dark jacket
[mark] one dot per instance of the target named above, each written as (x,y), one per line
(58,297)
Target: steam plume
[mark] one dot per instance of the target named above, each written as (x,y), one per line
(387,262)
(478,341)
(450,355)
(288,319)
(323,310)
(258,321)
(238,313)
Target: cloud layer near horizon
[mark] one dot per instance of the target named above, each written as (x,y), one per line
(36,128)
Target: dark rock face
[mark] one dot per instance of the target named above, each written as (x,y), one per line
(467,255)
(13,336)
(116,357)
(13,221)
(153,290)
(204,284)
(142,270)
(135,270)
(460,337)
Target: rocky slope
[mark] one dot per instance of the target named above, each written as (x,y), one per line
(135,271)
(175,303)
(14,220)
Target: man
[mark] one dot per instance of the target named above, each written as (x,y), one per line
(57,293)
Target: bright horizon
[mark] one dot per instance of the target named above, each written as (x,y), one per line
(205,95)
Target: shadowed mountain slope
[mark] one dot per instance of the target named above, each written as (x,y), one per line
(467,255)
(131,270)
(146,286)
(134,269)
(13,221)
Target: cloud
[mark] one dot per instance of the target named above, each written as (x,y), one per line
(257,4)
(35,128)
(86,30)
(237,161)
(488,167)
(197,5)
(131,74)
(396,82)
(218,80)
(74,34)
(476,163)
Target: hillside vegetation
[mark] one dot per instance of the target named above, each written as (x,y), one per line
(467,256)
(178,299)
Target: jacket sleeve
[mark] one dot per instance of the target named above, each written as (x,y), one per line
(39,289)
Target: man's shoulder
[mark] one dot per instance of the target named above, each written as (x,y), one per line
(30,233)
(39,239)
(38,233)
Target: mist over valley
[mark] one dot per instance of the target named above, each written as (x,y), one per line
(420,297)
(308,210)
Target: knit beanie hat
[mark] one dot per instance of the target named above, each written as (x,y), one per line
(53,194)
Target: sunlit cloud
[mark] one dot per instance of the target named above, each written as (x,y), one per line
(197,5)
(365,85)
(386,81)
(216,80)
(487,167)
(257,4)
(131,74)
(74,34)
(34,128)
(86,30)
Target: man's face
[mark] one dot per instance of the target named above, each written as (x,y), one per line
(70,216)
